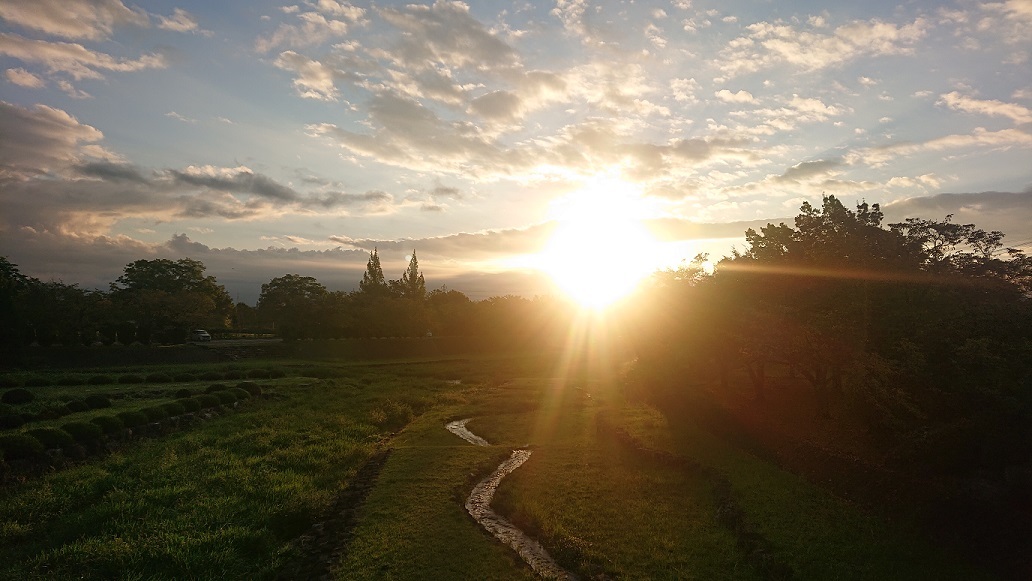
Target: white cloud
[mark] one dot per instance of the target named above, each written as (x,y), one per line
(958,102)
(314,79)
(980,137)
(314,29)
(739,97)
(44,140)
(73,59)
(182,21)
(24,78)
(75,19)
(178,117)
(684,89)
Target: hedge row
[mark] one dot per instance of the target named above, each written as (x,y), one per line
(135,378)
(32,444)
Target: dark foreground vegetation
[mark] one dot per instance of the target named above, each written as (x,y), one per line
(840,399)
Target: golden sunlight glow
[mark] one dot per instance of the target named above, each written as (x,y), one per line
(600,249)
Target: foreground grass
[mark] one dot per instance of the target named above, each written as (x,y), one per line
(223,500)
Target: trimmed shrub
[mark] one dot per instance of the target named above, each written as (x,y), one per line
(97,401)
(226,396)
(181,393)
(233,374)
(9,421)
(83,432)
(190,404)
(54,411)
(155,413)
(277,373)
(240,394)
(77,405)
(36,381)
(109,424)
(173,408)
(132,418)
(258,373)
(159,378)
(8,381)
(100,380)
(70,380)
(20,447)
(17,396)
(251,387)
(210,376)
(215,387)
(184,377)
(207,400)
(52,438)
(131,378)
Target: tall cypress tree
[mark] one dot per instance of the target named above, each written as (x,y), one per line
(412,284)
(373,281)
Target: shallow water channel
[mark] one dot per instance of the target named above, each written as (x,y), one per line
(479,507)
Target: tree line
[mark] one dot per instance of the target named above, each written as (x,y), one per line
(159,301)
(916,335)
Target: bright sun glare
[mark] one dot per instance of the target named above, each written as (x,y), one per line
(600,249)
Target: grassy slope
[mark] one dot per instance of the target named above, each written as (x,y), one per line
(224,500)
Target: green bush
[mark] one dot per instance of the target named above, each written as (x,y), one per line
(8,381)
(9,421)
(159,378)
(54,411)
(181,393)
(190,404)
(109,424)
(52,438)
(215,387)
(173,408)
(17,396)
(155,413)
(226,396)
(83,432)
(207,400)
(184,377)
(97,402)
(233,374)
(77,405)
(20,447)
(100,380)
(36,381)
(68,380)
(258,373)
(131,378)
(240,394)
(210,376)
(277,373)
(132,418)
(251,387)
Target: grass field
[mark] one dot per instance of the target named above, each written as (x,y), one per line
(239,496)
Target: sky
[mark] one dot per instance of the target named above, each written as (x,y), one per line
(265,138)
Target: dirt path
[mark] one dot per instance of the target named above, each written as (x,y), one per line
(479,507)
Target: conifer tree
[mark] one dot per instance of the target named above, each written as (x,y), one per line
(373,281)
(412,284)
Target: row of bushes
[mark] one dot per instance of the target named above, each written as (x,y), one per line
(135,378)
(11,418)
(74,437)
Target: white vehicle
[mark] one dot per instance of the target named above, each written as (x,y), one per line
(199,335)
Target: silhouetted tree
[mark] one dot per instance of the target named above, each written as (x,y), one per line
(373,281)
(292,305)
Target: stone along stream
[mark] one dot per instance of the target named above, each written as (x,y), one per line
(479,507)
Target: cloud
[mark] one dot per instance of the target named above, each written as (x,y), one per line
(240,180)
(809,169)
(182,21)
(958,102)
(1008,212)
(73,59)
(178,117)
(497,105)
(314,79)
(768,44)
(314,29)
(74,19)
(979,137)
(43,139)
(24,78)
(739,97)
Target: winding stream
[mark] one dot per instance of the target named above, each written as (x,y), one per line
(479,507)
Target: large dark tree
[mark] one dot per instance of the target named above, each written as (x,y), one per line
(168,297)
(291,305)
(411,285)
(373,281)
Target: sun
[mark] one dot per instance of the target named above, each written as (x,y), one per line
(600,249)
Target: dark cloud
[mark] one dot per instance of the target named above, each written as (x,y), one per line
(237,181)
(42,139)
(113,172)
(1008,212)
(809,169)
